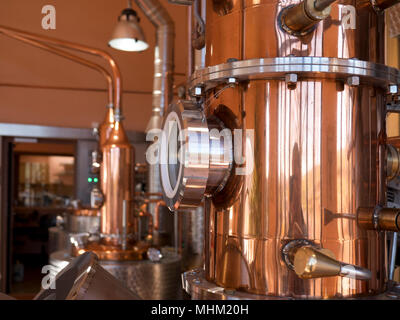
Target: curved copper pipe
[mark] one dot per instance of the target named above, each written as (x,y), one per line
(159,204)
(144,213)
(66,55)
(78,47)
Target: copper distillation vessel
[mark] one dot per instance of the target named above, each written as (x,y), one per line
(117,245)
(293,179)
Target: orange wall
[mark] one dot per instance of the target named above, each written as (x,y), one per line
(88,22)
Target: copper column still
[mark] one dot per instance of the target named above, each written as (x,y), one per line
(296,208)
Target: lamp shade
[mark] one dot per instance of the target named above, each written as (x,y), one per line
(128,35)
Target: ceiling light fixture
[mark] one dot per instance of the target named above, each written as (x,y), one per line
(128,35)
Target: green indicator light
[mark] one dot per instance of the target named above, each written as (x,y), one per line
(96,180)
(90,179)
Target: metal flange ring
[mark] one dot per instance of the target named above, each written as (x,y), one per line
(304,67)
(184,155)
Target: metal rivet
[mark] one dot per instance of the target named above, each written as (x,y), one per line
(198,91)
(291,80)
(393,89)
(353,81)
(232,80)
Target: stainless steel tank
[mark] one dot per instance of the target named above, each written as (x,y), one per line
(148,280)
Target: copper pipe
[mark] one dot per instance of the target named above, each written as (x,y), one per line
(151,226)
(78,47)
(159,204)
(65,55)
(66,88)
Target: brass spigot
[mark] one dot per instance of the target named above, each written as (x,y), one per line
(312,262)
(301,19)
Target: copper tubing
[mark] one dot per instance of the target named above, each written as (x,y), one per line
(19,36)
(151,225)
(78,47)
(159,204)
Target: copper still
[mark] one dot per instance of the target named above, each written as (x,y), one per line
(294,180)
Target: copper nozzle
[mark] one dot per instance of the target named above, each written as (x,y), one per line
(311,262)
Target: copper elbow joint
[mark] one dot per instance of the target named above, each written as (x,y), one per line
(378,218)
(301,19)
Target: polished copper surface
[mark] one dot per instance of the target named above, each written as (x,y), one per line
(136,251)
(249,29)
(106,126)
(319,146)
(117,183)
(309,155)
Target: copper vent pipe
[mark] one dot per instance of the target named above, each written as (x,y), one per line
(78,47)
(19,36)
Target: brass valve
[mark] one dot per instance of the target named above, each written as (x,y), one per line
(378,218)
(392,162)
(311,262)
(300,19)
